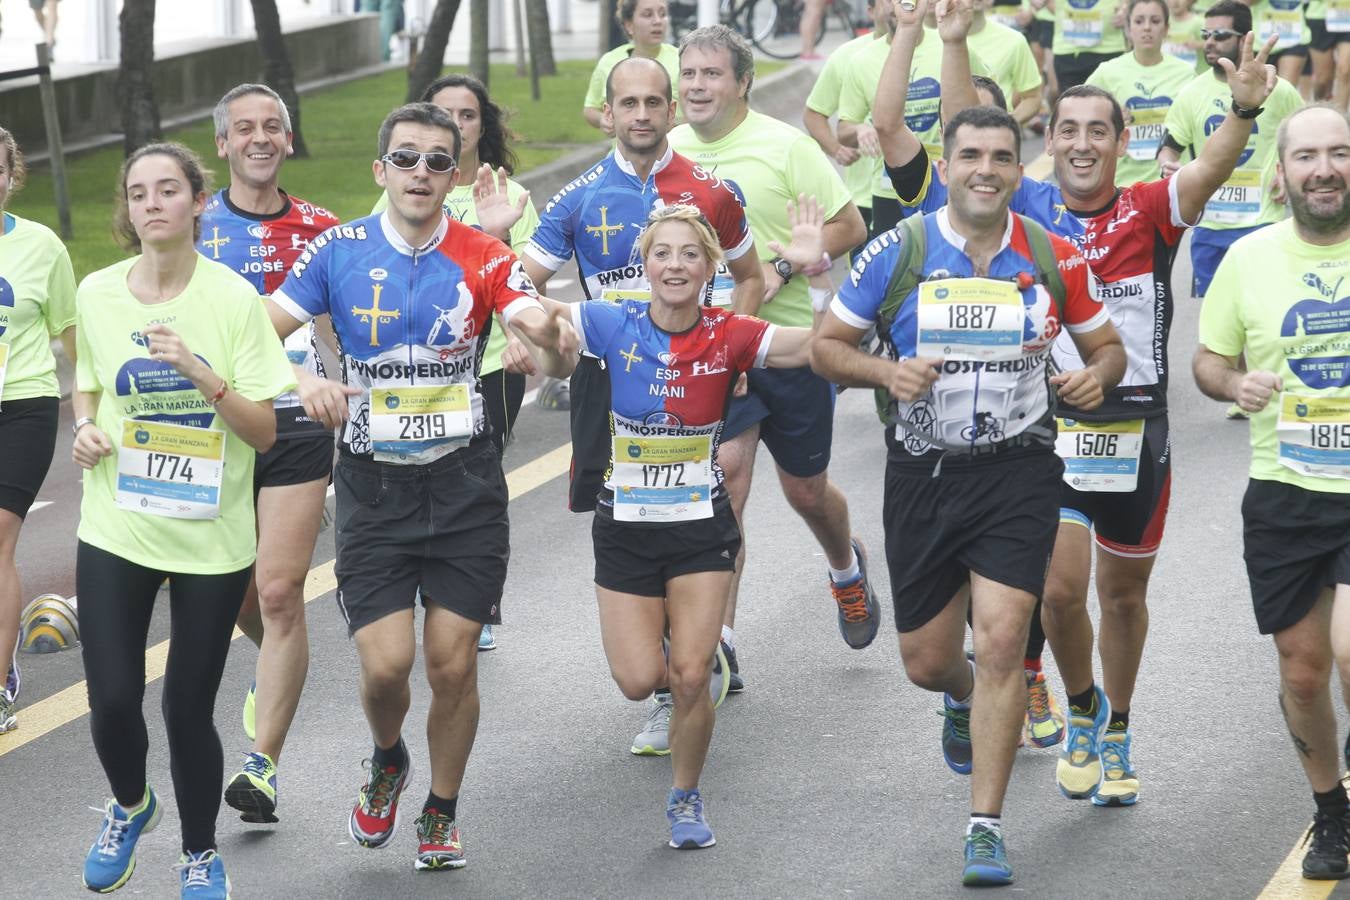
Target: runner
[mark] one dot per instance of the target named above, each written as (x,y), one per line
(792,410)
(421,500)
(1143,81)
(1282,20)
(258,230)
(972,480)
(665,536)
(486,145)
(1039,19)
(1130,234)
(1183,34)
(646,24)
(1087,34)
(598,218)
(1246,201)
(37,303)
(1278,301)
(176,374)
(1329,46)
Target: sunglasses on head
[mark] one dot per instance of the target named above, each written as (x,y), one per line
(408,159)
(1219,34)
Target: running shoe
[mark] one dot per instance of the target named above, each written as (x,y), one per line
(250,707)
(688,829)
(1079,769)
(1120,784)
(485,639)
(719,685)
(112,859)
(554,393)
(8,721)
(956,735)
(1330,838)
(13,678)
(1235,413)
(203,876)
(438,844)
(254,790)
(654,739)
(859,615)
(986,858)
(735,684)
(374,819)
(1045,721)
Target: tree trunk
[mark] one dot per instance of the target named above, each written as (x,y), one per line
(277,72)
(478,40)
(432,57)
(541,38)
(136,83)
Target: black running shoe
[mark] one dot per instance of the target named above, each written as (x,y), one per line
(1330,839)
(737,683)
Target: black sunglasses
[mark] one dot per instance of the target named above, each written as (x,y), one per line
(1219,34)
(408,159)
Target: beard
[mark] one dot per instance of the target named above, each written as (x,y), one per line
(1319,221)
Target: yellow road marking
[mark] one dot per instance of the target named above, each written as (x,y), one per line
(72,703)
(1288,882)
(1040,168)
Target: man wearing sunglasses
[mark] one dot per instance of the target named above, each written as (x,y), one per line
(421,499)
(1246,201)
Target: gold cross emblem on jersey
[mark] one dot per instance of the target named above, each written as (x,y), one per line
(630,356)
(604,229)
(374,315)
(215,242)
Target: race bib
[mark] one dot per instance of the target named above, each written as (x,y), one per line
(170,470)
(1338,18)
(662,479)
(971,318)
(1181,52)
(1286,25)
(1083,27)
(1146,131)
(618,295)
(413,425)
(1314,435)
(1237,201)
(720,288)
(1100,456)
(4,362)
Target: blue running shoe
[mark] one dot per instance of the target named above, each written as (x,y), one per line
(956,735)
(859,614)
(485,639)
(203,876)
(688,829)
(1079,769)
(986,858)
(112,859)
(1120,783)
(254,790)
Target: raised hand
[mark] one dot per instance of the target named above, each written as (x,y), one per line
(1254,80)
(807,222)
(954,18)
(496,213)
(909,14)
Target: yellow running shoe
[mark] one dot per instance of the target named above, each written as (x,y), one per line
(1120,784)
(1045,720)
(250,702)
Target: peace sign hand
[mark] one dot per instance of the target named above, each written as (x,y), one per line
(1253,81)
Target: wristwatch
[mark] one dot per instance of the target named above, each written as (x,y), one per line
(1243,112)
(782,267)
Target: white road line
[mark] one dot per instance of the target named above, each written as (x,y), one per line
(39,504)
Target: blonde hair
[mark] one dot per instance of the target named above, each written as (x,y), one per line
(690,215)
(17,170)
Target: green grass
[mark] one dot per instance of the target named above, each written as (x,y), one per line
(340,124)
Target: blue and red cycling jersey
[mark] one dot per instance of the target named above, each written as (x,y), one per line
(407,317)
(670,385)
(600,215)
(262,248)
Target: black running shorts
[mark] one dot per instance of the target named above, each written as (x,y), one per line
(1323,40)
(995,516)
(640,559)
(1072,69)
(440,527)
(27,443)
(794,409)
(297,460)
(590,433)
(1132,524)
(1296,542)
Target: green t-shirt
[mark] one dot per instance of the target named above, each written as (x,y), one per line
(1282,18)
(824,99)
(770,162)
(222,321)
(1285,304)
(1086,26)
(668,56)
(1146,93)
(459,203)
(37,302)
(1179,34)
(1336,13)
(1007,54)
(1245,199)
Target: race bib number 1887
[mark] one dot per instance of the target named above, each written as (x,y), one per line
(971,318)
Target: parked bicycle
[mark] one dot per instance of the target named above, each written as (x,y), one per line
(772,26)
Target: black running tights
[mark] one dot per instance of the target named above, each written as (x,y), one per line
(117,598)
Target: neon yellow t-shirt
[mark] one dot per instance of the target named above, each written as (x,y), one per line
(1282,18)
(1007,54)
(459,203)
(824,99)
(770,162)
(1245,199)
(1179,34)
(1145,93)
(1285,304)
(668,56)
(1336,13)
(1086,26)
(220,319)
(37,302)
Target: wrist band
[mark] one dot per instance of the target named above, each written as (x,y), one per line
(820,298)
(80,423)
(819,268)
(219,394)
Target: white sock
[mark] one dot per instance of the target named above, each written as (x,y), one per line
(729,637)
(844,576)
(965,703)
(994,824)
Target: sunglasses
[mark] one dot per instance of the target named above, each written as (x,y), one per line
(408,159)
(1219,34)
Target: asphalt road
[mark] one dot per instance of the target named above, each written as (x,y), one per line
(825,777)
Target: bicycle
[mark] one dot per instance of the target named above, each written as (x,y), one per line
(772,26)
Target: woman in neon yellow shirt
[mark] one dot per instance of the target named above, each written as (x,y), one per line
(37,303)
(646,23)
(178,365)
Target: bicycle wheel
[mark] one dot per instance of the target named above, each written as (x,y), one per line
(772,26)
